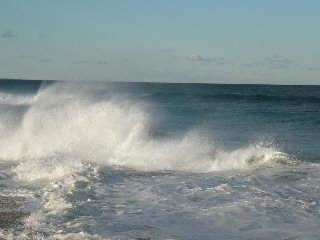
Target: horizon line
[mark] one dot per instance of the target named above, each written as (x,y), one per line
(156,82)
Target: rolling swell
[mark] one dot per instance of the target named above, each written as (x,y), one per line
(237,97)
(23,86)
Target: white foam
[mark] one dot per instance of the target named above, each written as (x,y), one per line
(57,236)
(49,168)
(65,120)
(68,133)
(16,99)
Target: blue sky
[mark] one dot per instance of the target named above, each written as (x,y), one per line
(225,41)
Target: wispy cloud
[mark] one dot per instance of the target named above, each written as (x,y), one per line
(174,75)
(165,50)
(31,57)
(195,57)
(314,69)
(8,34)
(38,58)
(274,62)
(91,62)
(219,60)
(45,60)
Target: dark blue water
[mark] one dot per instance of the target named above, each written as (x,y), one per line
(237,115)
(90,160)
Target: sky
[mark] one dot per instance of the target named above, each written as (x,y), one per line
(210,41)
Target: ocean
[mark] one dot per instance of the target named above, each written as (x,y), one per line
(94,160)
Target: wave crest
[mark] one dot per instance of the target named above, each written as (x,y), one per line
(68,121)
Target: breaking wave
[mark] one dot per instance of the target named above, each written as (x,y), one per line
(69,135)
(15,99)
(66,122)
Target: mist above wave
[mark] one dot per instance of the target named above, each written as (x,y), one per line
(74,124)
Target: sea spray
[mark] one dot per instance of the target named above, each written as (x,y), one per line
(88,163)
(114,131)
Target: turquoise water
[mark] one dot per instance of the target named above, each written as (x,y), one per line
(159,161)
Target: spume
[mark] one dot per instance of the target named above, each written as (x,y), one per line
(68,125)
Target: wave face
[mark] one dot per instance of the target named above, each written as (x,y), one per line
(100,160)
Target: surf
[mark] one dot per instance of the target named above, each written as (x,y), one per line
(69,121)
(83,160)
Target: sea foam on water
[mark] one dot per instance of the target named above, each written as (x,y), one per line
(87,162)
(66,121)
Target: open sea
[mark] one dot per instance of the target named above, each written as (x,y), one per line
(90,160)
